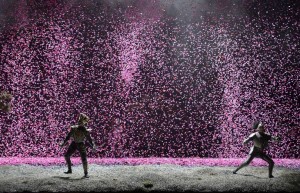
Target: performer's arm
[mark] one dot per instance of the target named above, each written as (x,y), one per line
(249,138)
(275,138)
(67,138)
(89,138)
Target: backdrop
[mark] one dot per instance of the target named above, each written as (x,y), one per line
(158,78)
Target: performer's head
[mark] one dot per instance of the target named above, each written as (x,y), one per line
(83,119)
(260,127)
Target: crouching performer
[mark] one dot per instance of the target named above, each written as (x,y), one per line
(79,133)
(260,141)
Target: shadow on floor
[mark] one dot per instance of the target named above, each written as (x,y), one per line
(69,178)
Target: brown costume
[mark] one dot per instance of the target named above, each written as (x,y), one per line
(79,133)
(260,142)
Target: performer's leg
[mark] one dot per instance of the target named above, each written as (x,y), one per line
(83,156)
(245,163)
(270,162)
(70,151)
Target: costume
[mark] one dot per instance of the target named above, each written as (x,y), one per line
(79,133)
(260,142)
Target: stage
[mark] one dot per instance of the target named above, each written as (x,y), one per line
(155,175)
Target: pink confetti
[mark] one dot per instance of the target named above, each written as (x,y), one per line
(173,79)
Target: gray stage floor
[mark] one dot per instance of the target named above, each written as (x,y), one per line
(166,178)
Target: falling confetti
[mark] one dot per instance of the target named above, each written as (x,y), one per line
(157,78)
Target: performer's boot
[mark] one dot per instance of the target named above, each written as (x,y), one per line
(271,165)
(244,164)
(241,166)
(68,160)
(234,172)
(85,169)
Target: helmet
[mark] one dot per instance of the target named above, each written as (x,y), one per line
(260,127)
(83,119)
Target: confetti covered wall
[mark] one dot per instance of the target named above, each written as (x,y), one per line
(158,78)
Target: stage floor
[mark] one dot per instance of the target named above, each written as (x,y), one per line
(145,178)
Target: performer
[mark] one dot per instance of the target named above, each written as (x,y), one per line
(78,133)
(260,141)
